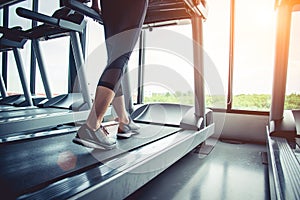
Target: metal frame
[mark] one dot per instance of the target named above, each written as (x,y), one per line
(231,55)
(32,55)
(79,62)
(2,88)
(199,83)
(141,69)
(195,119)
(37,52)
(4,54)
(284,173)
(281,62)
(72,73)
(23,78)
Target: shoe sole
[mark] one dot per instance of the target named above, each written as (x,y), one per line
(127,134)
(93,145)
(124,135)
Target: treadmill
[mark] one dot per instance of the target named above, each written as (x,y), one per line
(283,130)
(13,40)
(62,109)
(53,167)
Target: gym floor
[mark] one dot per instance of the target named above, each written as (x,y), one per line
(231,171)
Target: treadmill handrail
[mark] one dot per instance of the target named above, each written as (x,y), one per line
(9,3)
(11,38)
(14,32)
(37,16)
(83,9)
(199,9)
(6,30)
(50,20)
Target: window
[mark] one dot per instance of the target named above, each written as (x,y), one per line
(96,56)
(292,98)
(1,14)
(169,65)
(56,56)
(55,53)
(216,30)
(254,45)
(13,80)
(169,75)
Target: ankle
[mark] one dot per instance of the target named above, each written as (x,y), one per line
(124,120)
(93,127)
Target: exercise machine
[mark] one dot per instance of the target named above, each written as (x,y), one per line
(78,172)
(62,109)
(12,40)
(283,130)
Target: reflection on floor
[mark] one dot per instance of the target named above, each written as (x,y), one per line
(230,171)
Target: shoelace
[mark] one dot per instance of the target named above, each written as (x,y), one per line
(104,130)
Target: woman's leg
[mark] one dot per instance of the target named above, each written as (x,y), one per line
(104,97)
(123,20)
(126,126)
(92,134)
(119,107)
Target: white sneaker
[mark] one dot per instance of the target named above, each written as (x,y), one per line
(127,130)
(94,139)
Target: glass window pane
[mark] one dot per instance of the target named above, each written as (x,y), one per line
(56,60)
(13,82)
(179,68)
(96,55)
(16,20)
(56,56)
(168,65)
(253,54)
(216,31)
(292,99)
(1,14)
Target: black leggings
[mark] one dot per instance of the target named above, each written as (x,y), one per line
(123,20)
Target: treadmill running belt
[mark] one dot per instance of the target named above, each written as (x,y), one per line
(31,165)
